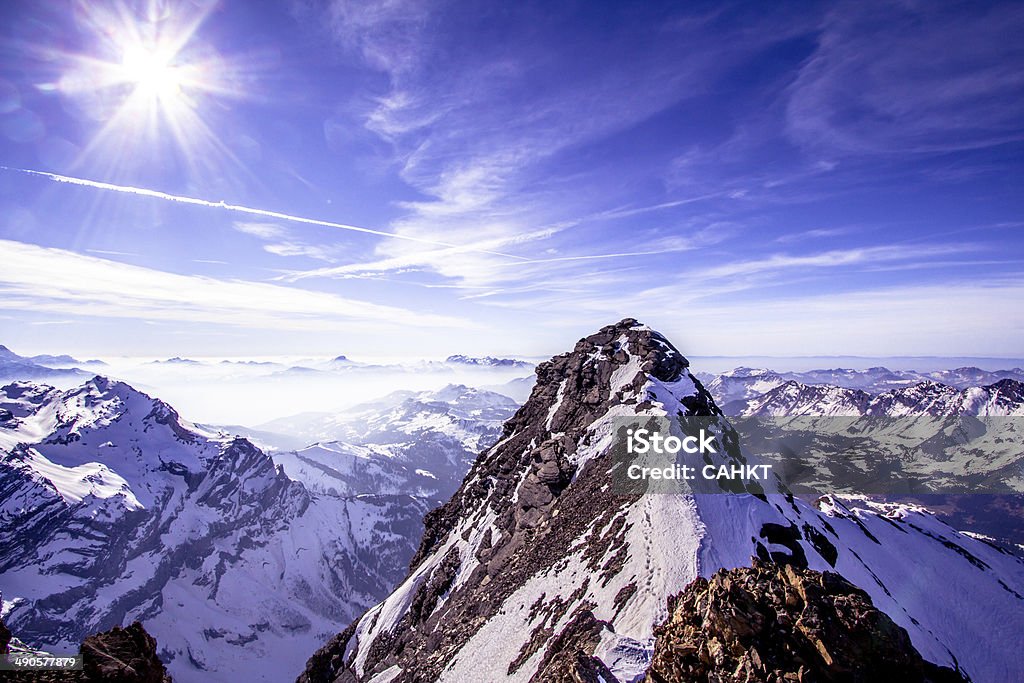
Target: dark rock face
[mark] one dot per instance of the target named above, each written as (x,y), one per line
(120,655)
(779,623)
(5,633)
(568,659)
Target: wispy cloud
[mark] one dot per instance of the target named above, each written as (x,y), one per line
(111,252)
(264,231)
(284,242)
(915,92)
(320,252)
(475,136)
(41,279)
(815,234)
(835,258)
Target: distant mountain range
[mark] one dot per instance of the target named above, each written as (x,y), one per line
(346,364)
(1004,397)
(488,361)
(43,367)
(733,389)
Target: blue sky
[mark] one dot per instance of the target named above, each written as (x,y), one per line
(750,178)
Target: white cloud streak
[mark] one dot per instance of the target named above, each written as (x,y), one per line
(41,279)
(155,194)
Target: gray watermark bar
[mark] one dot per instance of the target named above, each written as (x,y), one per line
(819,455)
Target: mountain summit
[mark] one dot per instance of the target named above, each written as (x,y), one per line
(537,570)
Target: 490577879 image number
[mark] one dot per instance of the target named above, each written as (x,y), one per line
(32,662)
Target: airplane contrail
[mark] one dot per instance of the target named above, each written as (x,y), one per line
(156,194)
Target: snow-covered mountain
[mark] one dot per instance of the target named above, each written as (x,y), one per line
(793,398)
(871,380)
(517,389)
(412,443)
(537,570)
(900,424)
(470,416)
(113,509)
(1004,398)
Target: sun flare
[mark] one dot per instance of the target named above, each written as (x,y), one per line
(149,80)
(151,73)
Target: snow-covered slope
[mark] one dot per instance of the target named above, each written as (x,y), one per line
(113,508)
(537,561)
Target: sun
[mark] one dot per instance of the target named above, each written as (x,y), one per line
(151,73)
(150,84)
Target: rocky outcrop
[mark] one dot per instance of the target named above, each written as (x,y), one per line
(120,655)
(126,655)
(779,623)
(568,658)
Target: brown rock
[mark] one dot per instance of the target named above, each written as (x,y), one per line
(735,618)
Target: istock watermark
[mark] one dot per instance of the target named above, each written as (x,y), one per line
(645,441)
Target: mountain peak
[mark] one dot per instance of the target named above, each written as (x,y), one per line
(621,370)
(626,364)
(658,356)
